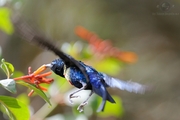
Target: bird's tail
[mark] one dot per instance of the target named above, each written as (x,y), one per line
(105,96)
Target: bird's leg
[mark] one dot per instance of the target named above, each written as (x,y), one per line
(72,94)
(81,106)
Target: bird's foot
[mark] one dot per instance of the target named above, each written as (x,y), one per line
(81,106)
(71,96)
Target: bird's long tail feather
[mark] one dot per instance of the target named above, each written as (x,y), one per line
(125,85)
(105,96)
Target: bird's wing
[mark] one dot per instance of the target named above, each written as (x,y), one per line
(31,35)
(125,85)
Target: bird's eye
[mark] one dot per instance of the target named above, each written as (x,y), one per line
(58,70)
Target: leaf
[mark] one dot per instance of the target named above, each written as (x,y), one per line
(24,98)
(7,67)
(38,91)
(61,83)
(5,22)
(17,74)
(9,84)
(111,109)
(15,108)
(109,65)
(7,112)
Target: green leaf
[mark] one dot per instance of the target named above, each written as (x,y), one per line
(9,84)
(15,109)
(8,68)
(24,98)
(61,83)
(17,74)
(38,91)
(5,22)
(7,112)
(109,65)
(111,109)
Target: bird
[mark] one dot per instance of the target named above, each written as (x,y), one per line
(79,74)
(98,84)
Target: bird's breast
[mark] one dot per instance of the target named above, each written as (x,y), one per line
(74,76)
(67,74)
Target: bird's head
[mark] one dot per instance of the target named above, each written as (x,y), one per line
(57,66)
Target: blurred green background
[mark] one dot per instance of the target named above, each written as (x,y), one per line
(148,28)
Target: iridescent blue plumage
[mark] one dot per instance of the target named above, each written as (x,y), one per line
(97,84)
(74,75)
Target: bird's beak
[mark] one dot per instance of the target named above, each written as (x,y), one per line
(49,65)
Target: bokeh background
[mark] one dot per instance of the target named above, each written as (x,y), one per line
(148,28)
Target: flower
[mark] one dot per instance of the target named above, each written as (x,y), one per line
(36,78)
(104,47)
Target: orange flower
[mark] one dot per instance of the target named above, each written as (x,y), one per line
(36,78)
(104,47)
